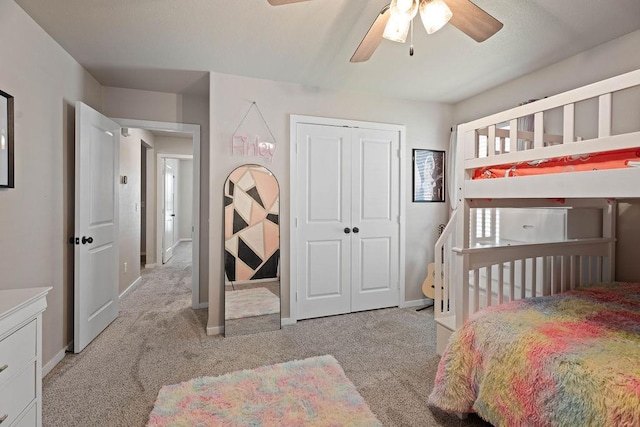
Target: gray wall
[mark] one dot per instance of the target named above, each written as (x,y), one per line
(37,217)
(427,127)
(185,207)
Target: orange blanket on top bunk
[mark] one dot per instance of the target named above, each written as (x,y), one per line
(586,162)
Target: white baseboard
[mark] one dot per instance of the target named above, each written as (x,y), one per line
(286,321)
(131,287)
(215,330)
(150,265)
(186,240)
(56,359)
(201,305)
(417,303)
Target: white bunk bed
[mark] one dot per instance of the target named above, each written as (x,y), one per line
(471,275)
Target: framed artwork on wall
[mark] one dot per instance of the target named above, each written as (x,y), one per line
(6,140)
(428,175)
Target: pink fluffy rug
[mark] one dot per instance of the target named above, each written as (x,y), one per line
(309,392)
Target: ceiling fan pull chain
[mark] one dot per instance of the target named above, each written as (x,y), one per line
(411,46)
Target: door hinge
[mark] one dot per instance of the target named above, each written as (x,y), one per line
(398,153)
(296,222)
(296,296)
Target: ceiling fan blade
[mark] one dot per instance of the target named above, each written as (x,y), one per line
(373,37)
(473,21)
(281,2)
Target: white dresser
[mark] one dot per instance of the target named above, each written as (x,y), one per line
(21,356)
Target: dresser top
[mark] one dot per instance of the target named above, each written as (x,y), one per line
(14,299)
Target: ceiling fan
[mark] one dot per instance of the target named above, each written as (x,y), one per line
(394,20)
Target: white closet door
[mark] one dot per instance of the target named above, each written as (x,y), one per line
(324,168)
(374,218)
(348,229)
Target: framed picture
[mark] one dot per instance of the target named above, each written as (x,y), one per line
(428,175)
(6,140)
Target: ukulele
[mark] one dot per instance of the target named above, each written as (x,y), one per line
(428,286)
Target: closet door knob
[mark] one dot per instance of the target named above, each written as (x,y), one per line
(86,240)
(3,367)
(356,230)
(4,417)
(347,230)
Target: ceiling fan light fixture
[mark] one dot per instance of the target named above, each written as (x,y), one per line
(397,28)
(434,14)
(408,8)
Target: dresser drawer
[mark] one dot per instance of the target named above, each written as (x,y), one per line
(533,225)
(30,417)
(17,393)
(16,350)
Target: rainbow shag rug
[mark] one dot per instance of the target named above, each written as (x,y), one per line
(309,392)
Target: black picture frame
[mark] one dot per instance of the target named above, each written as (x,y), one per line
(6,141)
(428,175)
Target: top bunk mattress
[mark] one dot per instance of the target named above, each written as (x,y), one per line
(618,159)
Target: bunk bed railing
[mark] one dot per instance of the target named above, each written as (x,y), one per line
(534,144)
(502,274)
(444,271)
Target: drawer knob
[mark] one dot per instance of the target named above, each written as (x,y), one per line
(3,367)
(4,417)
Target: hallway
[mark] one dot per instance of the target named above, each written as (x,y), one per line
(167,286)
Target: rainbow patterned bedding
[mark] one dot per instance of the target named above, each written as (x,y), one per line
(571,359)
(618,159)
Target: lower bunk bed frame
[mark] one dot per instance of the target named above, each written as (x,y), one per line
(469,277)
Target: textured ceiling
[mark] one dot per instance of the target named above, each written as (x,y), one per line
(166,45)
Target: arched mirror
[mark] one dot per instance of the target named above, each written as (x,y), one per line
(252,251)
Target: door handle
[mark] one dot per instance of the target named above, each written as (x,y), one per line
(356,230)
(173,214)
(347,230)
(86,240)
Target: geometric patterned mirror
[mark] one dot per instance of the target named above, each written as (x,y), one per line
(252,251)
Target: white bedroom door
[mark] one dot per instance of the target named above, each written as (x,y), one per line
(96,225)
(168,240)
(348,230)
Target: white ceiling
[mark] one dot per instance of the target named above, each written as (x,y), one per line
(168,45)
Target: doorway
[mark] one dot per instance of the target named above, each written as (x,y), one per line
(169,181)
(153,244)
(175,202)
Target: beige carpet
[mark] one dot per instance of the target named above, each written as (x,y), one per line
(389,355)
